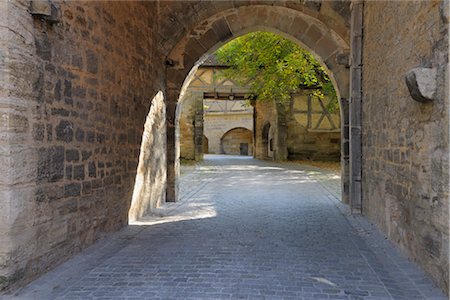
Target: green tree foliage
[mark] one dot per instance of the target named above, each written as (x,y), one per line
(276,66)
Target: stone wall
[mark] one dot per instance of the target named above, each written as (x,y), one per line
(266,123)
(217,125)
(186,117)
(406,143)
(219,115)
(214,124)
(313,130)
(73,100)
(302,129)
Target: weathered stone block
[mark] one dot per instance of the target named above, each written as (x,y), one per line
(107,181)
(298,27)
(49,193)
(91,62)
(92,169)
(445,11)
(235,24)
(69,172)
(422,84)
(85,155)
(72,155)
(64,131)
(312,36)
(68,101)
(50,164)
(49,128)
(38,132)
(72,189)
(45,10)
(57,91)
(43,48)
(79,135)
(60,112)
(77,61)
(78,172)
(90,137)
(313,4)
(66,207)
(343,59)
(122,138)
(79,92)
(131,135)
(97,183)
(101,138)
(86,187)
(222,30)
(342,7)
(326,47)
(67,88)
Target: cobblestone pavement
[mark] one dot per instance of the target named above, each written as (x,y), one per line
(244,229)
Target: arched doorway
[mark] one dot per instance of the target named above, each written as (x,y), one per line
(237,141)
(328,42)
(205,145)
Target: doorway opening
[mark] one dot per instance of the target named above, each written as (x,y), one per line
(237,141)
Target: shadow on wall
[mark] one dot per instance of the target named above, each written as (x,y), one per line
(150,185)
(205,145)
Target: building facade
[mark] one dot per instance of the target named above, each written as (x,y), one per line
(213,107)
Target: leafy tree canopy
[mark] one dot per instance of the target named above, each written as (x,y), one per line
(276,66)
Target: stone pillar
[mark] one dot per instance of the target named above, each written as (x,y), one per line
(345,163)
(198,126)
(281,152)
(173,162)
(253,103)
(23,164)
(355,105)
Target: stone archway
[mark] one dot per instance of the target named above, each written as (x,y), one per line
(326,41)
(75,85)
(237,141)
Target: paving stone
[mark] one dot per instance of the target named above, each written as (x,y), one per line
(244,229)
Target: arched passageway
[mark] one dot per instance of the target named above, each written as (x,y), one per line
(77,81)
(329,44)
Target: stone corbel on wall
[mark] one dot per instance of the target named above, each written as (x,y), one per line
(45,10)
(422,84)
